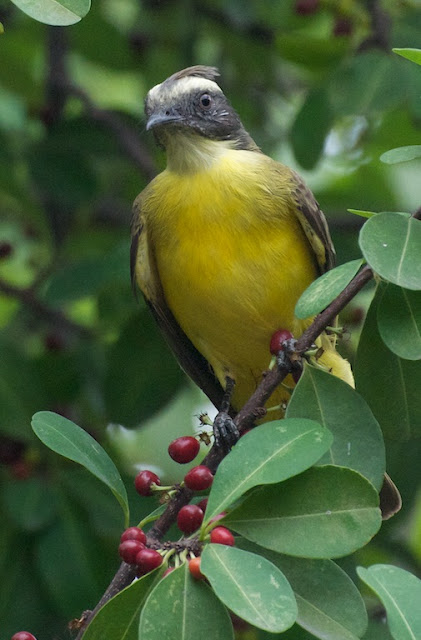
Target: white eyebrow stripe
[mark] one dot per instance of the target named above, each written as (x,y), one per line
(181,87)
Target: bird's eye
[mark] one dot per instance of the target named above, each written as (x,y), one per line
(205,101)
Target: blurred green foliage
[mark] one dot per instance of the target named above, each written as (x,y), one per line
(325,99)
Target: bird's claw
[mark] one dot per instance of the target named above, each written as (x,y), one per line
(283,358)
(225,431)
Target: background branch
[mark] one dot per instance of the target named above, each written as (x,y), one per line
(36,306)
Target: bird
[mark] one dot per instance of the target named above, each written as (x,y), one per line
(224,242)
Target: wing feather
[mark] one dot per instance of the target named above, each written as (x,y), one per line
(314,224)
(144,272)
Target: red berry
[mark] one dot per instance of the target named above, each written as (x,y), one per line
(184,449)
(143,482)
(167,571)
(277,340)
(133,533)
(199,478)
(306,7)
(147,560)
(194,568)
(342,27)
(221,535)
(189,518)
(23,635)
(128,550)
(203,504)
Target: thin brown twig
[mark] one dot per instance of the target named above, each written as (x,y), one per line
(125,135)
(39,308)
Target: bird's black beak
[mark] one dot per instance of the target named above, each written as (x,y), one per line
(163,117)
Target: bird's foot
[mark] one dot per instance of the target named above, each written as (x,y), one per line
(286,356)
(225,431)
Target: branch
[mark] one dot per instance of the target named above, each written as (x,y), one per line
(253,409)
(126,136)
(381,25)
(53,316)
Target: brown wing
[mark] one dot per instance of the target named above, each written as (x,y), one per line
(314,223)
(144,272)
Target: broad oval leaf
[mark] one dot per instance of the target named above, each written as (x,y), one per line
(410,54)
(399,321)
(118,619)
(326,512)
(66,438)
(401,154)
(391,244)
(330,606)
(59,13)
(322,291)
(400,593)
(357,437)
(306,139)
(181,608)
(268,454)
(250,586)
(389,384)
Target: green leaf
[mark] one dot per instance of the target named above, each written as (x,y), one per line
(401,154)
(411,54)
(72,442)
(30,503)
(322,291)
(250,586)
(400,593)
(391,244)
(68,544)
(357,437)
(363,214)
(142,375)
(326,512)
(311,51)
(389,384)
(368,83)
(308,140)
(55,12)
(21,392)
(399,321)
(67,177)
(87,276)
(182,608)
(329,604)
(268,454)
(119,617)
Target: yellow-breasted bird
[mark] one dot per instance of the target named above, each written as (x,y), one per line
(225,240)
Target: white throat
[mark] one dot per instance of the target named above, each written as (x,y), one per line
(191,153)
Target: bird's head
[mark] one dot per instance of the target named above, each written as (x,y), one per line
(191,104)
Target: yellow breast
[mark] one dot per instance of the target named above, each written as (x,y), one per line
(232,259)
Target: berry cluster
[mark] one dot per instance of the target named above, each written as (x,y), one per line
(133,550)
